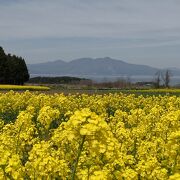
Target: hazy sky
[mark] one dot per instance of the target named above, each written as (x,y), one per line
(136,31)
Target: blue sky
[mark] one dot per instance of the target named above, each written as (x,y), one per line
(136,31)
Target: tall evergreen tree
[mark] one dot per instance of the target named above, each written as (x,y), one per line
(3,66)
(13,69)
(2,53)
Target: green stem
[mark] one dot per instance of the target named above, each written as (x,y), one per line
(175,163)
(17,143)
(77,160)
(88,172)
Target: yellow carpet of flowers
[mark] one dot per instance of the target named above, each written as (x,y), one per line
(95,137)
(18,87)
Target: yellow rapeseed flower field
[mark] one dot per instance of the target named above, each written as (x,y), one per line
(18,87)
(89,137)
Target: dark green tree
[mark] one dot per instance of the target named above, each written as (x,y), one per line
(3,65)
(13,69)
(2,53)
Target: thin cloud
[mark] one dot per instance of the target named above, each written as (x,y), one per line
(115,24)
(79,18)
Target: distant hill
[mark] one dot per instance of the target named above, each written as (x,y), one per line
(92,67)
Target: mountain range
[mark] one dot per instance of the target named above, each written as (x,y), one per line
(94,67)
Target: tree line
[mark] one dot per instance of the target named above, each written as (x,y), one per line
(13,69)
(57,80)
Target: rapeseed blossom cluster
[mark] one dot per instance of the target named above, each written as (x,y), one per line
(113,136)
